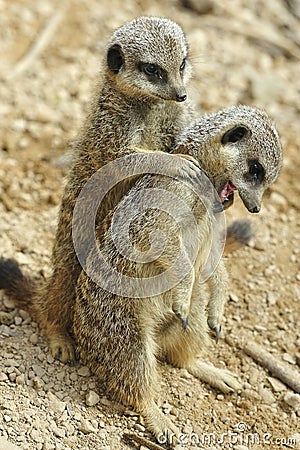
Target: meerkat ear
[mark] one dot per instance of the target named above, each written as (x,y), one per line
(115,58)
(235,134)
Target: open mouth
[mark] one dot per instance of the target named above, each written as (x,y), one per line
(227,194)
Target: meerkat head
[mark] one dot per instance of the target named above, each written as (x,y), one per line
(239,149)
(148,58)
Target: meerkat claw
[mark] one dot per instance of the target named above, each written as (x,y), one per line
(184,321)
(217,330)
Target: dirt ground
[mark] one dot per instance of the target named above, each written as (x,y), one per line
(242,52)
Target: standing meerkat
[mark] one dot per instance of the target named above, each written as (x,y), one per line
(140,101)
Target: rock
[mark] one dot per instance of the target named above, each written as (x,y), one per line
(6,445)
(33,338)
(292,400)
(288,358)
(233,297)
(3,376)
(55,404)
(18,320)
(20,379)
(92,398)
(140,427)
(272,298)
(86,427)
(84,371)
(8,303)
(38,370)
(277,385)
(58,431)
(266,395)
(36,436)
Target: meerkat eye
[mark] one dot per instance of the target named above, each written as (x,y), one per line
(151,69)
(235,134)
(182,66)
(256,171)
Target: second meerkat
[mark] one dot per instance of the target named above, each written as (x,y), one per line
(122,337)
(140,102)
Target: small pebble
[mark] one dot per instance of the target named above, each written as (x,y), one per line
(92,398)
(140,427)
(288,358)
(33,338)
(18,320)
(84,371)
(266,395)
(277,385)
(292,400)
(20,379)
(55,404)
(86,427)
(233,297)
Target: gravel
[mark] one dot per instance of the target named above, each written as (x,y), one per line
(243,52)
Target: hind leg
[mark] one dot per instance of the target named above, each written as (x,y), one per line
(119,347)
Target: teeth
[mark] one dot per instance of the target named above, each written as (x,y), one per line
(226,191)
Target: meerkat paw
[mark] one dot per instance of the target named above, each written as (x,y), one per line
(160,425)
(182,310)
(191,170)
(62,348)
(214,324)
(221,379)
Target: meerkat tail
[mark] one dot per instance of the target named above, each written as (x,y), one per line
(17,285)
(239,233)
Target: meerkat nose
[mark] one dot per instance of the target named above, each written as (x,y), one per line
(181,98)
(255,209)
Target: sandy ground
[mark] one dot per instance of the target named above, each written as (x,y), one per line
(242,52)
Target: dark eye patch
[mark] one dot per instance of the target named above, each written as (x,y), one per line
(153,71)
(235,134)
(256,171)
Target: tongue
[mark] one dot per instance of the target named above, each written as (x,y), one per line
(226,191)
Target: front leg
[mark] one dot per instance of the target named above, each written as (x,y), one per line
(218,289)
(181,298)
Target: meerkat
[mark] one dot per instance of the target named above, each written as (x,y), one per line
(140,102)
(123,338)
